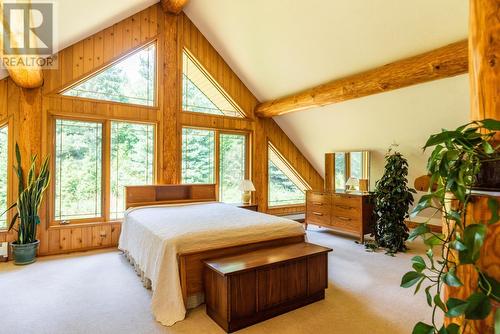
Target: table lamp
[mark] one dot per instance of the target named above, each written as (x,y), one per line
(246,186)
(351,184)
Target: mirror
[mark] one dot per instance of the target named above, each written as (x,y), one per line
(347,171)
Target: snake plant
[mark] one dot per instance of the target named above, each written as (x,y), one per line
(29,199)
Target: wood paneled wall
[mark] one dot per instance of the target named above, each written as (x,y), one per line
(30,112)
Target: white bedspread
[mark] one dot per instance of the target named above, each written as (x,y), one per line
(154,235)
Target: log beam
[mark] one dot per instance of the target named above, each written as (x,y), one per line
(173,6)
(447,61)
(26,77)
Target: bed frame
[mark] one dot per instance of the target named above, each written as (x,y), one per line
(191,263)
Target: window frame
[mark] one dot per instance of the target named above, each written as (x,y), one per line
(104,67)
(271,146)
(202,68)
(217,134)
(105,167)
(9,123)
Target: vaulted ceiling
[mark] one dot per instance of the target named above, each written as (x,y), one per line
(278,47)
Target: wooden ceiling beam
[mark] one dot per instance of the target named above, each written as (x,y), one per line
(173,6)
(26,77)
(447,61)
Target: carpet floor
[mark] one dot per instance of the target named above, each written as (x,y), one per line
(99,292)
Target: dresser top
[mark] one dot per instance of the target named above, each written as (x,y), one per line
(342,193)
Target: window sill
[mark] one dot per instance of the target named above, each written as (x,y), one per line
(57,226)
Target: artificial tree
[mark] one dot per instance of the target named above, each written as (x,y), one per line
(453,167)
(392,200)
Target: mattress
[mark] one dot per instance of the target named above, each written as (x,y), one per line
(153,236)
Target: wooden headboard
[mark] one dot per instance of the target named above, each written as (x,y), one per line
(169,194)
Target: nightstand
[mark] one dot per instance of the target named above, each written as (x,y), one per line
(252,207)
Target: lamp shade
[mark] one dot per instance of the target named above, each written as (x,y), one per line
(246,185)
(352,182)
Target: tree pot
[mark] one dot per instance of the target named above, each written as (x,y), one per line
(24,253)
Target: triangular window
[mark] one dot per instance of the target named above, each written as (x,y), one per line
(286,187)
(130,80)
(200,93)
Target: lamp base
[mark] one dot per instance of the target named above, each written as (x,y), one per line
(246,197)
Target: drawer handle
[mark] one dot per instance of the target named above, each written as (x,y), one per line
(318,203)
(345,207)
(344,218)
(317,213)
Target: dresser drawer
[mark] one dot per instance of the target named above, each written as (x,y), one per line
(346,200)
(347,210)
(346,223)
(319,198)
(317,217)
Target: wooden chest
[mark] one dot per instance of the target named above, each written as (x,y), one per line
(349,213)
(246,289)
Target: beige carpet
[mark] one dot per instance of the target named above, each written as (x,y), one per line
(98,292)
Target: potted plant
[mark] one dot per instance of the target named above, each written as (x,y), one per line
(27,205)
(453,168)
(392,199)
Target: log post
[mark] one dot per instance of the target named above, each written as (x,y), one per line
(484,50)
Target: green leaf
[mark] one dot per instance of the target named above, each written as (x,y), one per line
(434,240)
(493,206)
(424,202)
(488,149)
(419,230)
(454,215)
(478,306)
(423,328)
(418,263)
(458,245)
(430,256)
(491,124)
(456,307)
(440,138)
(417,288)
(490,286)
(439,303)
(428,295)
(451,279)
(410,278)
(453,329)
(473,239)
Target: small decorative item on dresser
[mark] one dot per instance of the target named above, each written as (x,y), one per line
(246,186)
(363,185)
(351,184)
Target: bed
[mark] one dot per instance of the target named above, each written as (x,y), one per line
(169,230)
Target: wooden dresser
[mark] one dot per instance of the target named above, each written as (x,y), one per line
(349,213)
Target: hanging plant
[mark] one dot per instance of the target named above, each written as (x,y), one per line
(392,199)
(453,166)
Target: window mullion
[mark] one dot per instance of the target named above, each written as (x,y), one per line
(106,170)
(217,163)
